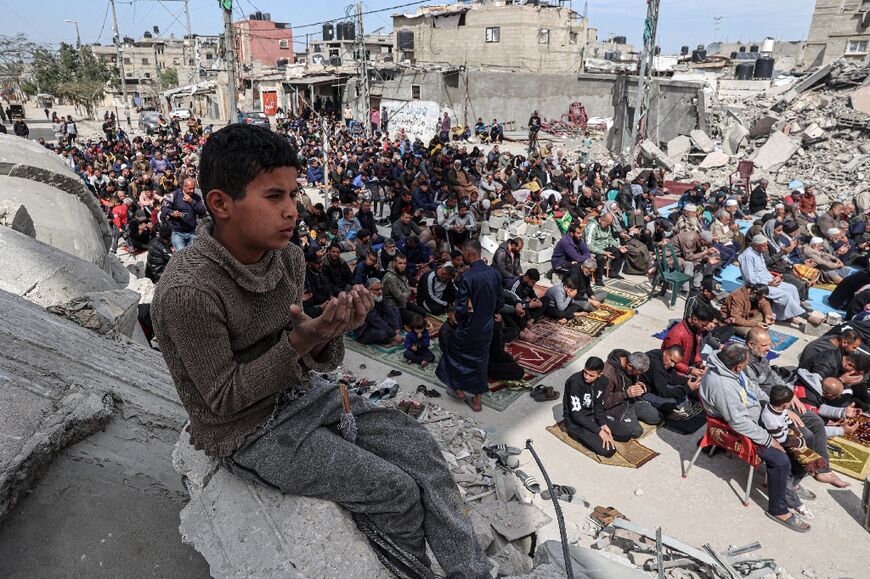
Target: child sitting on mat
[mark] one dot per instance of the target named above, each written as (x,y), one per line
(417,343)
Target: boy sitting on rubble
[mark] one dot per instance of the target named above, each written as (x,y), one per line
(228,316)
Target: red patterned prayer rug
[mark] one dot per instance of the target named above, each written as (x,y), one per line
(535,358)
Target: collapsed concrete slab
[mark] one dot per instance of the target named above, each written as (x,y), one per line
(651,151)
(734,139)
(679,147)
(776,151)
(32,162)
(703,142)
(14,215)
(248,530)
(36,422)
(714,160)
(109,313)
(45,275)
(50,353)
(763,126)
(860,99)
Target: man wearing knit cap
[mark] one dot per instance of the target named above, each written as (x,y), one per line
(688,220)
(785,298)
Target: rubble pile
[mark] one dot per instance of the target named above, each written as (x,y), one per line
(813,129)
(539,236)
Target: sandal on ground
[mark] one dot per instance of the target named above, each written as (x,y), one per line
(545,394)
(384,393)
(804,494)
(394,373)
(529,481)
(505,448)
(452,394)
(805,512)
(562,492)
(428,392)
(794,523)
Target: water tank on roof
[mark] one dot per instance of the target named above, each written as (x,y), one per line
(743,71)
(742,49)
(258,15)
(405,40)
(267,16)
(349,31)
(328,31)
(764,67)
(767,45)
(684,50)
(753,48)
(619,39)
(658,50)
(734,55)
(699,55)
(339,31)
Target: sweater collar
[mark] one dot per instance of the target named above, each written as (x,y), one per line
(259,277)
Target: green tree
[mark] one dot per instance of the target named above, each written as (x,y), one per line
(15,53)
(169,78)
(76,75)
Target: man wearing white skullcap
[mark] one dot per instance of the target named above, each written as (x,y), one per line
(832,268)
(785,298)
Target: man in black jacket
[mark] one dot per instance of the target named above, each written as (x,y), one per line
(583,409)
(336,271)
(316,291)
(436,291)
(159,254)
(667,390)
(758,197)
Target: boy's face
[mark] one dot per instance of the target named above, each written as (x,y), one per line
(266,216)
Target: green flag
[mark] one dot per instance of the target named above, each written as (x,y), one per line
(226,4)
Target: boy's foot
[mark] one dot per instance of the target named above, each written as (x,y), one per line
(832,479)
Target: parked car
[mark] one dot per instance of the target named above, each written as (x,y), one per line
(149,121)
(258,118)
(180,114)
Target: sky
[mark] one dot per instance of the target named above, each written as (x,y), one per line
(681,22)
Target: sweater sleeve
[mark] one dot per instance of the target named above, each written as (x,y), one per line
(196,329)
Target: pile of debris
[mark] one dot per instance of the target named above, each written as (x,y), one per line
(812,129)
(539,237)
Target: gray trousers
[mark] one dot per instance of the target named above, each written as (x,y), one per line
(585,306)
(394,474)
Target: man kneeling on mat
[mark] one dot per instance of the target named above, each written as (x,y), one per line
(583,408)
(228,316)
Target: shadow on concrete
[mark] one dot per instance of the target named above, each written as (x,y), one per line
(850,502)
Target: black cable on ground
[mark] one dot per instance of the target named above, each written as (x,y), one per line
(560,519)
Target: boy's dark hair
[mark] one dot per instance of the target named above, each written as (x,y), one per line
(233,157)
(780,394)
(861,362)
(594,364)
(165,232)
(533,274)
(418,323)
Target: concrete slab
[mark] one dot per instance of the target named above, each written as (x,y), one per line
(776,151)
(855,162)
(763,126)
(813,134)
(109,313)
(14,215)
(679,147)
(45,275)
(860,99)
(714,160)
(734,138)
(29,161)
(702,141)
(651,151)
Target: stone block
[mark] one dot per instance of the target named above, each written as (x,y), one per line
(651,151)
(532,244)
(714,160)
(763,126)
(734,139)
(111,312)
(702,141)
(813,134)
(531,256)
(502,235)
(497,221)
(15,216)
(679,147)
(778,149)
(834,319)
(545,255)
(855,162)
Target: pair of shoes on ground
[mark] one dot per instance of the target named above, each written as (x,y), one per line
(562,492)
(544,393)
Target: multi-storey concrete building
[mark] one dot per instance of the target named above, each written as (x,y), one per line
(498,35)
(260,42)
(839,28)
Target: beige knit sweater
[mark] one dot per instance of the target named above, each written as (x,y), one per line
(222,328)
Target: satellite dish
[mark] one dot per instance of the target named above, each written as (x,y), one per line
(317,59)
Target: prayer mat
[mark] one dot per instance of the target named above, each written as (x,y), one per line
(620,298)
(434,326)
(853,461)
(661,335)
(862,435)
(828,287)
(558,337)
(607,314)
(779,341)
(500,395)
(631,454)
(535,358)
(587,326)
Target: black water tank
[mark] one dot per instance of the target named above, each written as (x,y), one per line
(328,31)
(742,49)
(743,71)
(339,31)
(753,48)
(619,39)
(764,67)
(405,40)
(258,15)
(267,17)
(349,31)
(699,55)
(658,50)
(734,55)
(684,50)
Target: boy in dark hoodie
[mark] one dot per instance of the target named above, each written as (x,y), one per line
(583,408)
(227,312)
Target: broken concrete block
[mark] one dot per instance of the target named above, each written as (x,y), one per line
(37,421)
(111,312)
(514,520)
(532,244)
(44,274)
(714,160)
(497,221)
(859,99)
(248,530)
(651,151)
(834,319)
(545,255)
(763,126)
(512,562)
(484,228)
(640,558)
(482,529)
(502,235)
(855,162)
(702,141)
(679,147)
(734,138)
(196,468)
(531,256)
(586,562)
(813,134)
(15,216)
(776,151)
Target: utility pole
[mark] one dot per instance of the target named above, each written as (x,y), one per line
(644,83)
(230,58)
(158,78)
(324,132)
(116,34)
(362,69)
(78,37)
(184,45)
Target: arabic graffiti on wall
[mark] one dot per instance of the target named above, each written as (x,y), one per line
(418,118)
